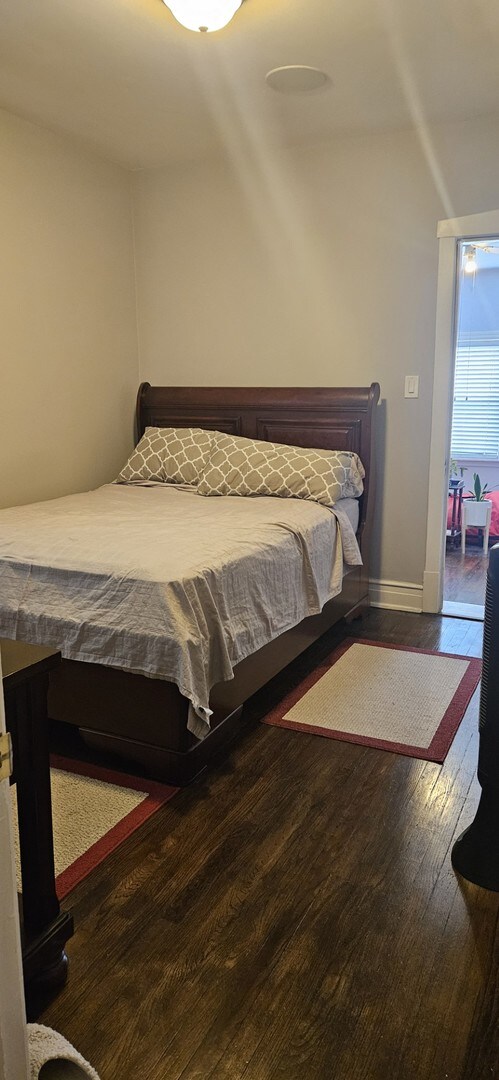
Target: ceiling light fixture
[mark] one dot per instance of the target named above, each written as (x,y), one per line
(296,79)
(470,263)
(203,15)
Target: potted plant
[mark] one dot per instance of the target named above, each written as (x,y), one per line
(454,477)
(477,506)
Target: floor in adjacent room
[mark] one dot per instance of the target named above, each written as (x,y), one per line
(465,575)
(295,914)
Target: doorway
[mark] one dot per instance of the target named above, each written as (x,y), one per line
(472,524)
(465,419)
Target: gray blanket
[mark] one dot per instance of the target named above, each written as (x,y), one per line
(167,583)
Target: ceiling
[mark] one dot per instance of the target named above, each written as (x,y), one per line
(130,83)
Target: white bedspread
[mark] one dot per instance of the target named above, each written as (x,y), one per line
(166,583)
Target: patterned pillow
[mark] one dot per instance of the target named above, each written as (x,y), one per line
(170,455)
(239,466)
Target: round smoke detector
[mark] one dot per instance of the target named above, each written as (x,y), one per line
(296,79)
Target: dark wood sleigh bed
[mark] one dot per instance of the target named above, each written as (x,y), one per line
(144,720)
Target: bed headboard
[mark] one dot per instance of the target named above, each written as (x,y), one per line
(329,418)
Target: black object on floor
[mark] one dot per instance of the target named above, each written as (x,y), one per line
(475,854)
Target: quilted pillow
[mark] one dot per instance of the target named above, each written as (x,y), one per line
(239,466)
(170,455)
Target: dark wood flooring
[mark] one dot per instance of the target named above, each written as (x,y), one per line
(465,575)
(295,914)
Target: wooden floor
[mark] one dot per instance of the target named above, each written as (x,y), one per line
(295,915)
(465,575)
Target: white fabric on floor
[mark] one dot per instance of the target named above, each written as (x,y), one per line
(51,1057)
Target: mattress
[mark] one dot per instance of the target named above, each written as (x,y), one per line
(162,582)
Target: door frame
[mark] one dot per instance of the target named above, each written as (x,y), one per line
(13,1030)
(450,232)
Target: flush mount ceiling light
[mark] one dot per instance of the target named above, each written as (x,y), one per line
(296,79)
(469,265)
(203,15)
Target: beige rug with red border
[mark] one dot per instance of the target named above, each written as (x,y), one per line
(93,810)
(410,701)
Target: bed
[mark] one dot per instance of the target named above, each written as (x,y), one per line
(167,706)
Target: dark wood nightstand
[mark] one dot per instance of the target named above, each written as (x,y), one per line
(45,929)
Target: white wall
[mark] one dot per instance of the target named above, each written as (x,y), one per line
(307,267)
(69,369)
(489,474)
(314,267)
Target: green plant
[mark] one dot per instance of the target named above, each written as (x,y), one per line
(455,469)
(479,493)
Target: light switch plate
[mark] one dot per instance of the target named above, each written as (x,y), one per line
(411,386)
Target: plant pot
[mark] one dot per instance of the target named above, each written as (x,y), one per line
(476,512)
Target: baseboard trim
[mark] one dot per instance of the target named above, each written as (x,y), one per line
(396,595)
(432,591)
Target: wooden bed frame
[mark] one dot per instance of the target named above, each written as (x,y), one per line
(145,720)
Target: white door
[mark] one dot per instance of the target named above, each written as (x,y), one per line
(13,1032)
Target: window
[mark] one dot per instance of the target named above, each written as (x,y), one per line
(475,415)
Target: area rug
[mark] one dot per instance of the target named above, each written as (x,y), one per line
(409,701)
(93,810)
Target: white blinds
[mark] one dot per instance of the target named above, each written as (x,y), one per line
(475,414)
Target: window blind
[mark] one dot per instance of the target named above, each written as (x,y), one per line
(475,413)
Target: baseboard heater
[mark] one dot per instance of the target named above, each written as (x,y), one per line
(475,854)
